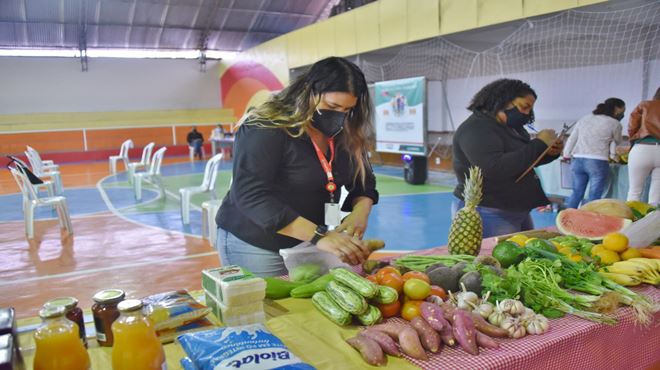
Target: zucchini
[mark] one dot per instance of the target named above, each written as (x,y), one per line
(308,290)
(371,317)
(277,288)
(347,298)
(386,295)
(356,282)
(324,303)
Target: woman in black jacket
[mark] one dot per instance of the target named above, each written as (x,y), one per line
(494,139)
(292,155)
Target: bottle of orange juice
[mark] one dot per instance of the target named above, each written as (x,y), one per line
(58,342)
(136,345)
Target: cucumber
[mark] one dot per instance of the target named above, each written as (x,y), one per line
(308,290)
(346,298)
(386,295)
(371,317)
(356,282)
(277,288)
(324,303)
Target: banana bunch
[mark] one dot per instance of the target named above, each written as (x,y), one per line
(633,271)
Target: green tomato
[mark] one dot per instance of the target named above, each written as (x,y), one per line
(416,289)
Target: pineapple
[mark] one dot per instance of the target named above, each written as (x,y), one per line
(466,228)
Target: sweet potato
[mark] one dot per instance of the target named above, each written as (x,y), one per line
(434,315)
(386,343)
(485,341)
(430,338)
(464,331)
(407,337)
(369,349)
(479,323)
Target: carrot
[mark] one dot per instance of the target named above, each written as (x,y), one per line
(650,252)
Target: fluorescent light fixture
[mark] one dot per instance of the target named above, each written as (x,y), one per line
(118,53)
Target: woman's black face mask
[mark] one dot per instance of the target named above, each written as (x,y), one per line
(516,119)
(329,122)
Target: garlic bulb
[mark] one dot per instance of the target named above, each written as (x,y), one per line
(514,327)
(527,315)
(538,324)
(512,306)
(484,309)
(497,316)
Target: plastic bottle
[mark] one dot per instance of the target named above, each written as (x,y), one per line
(58,343)
(136,346)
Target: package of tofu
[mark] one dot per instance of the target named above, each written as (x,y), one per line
(235,315)
(233,285)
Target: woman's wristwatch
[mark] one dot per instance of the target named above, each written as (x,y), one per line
(321,231)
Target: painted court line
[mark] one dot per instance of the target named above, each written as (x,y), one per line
(109,268)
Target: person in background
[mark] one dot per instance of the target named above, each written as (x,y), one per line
(589,149)
(494,139)
(218,132)
(292,155)
(195,140)
(644,157)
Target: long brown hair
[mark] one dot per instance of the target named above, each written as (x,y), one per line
(292,108)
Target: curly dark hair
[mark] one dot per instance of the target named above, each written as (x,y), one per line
(607,107)
(495,96)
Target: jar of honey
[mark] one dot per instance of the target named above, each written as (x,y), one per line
(73,313)
(105,312)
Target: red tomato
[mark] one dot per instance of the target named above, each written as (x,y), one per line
(438,291)
(372,278)
(387,270)
(411,309)
(390,309)
(416,275)
(393,281)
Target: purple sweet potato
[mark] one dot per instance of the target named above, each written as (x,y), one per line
(407,337)
(464,331)
(447,335)
(386,343)
(432,313)
(369,349)
(485,341)
(487,328)
(430,337)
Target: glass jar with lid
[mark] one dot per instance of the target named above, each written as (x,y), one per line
(105,312)
(137,346)
(58,346)
(73,313)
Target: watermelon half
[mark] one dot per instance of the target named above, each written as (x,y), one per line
(590,225)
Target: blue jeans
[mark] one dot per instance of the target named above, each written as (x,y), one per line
(197,144)
(498,221)
(261,262)
(587,170)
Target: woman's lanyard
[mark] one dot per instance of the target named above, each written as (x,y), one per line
(332,211)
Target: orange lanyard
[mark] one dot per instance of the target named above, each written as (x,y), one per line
(327,166)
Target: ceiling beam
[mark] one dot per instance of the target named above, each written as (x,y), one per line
(131,18)
(163,17)
(252,22)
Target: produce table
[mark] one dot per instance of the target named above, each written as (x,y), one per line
(570,343)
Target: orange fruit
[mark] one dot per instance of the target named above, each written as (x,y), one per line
(607,257)
(615,242)
(416,275)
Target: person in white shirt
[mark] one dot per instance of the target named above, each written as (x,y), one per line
(589,149)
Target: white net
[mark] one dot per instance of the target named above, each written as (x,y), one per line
(574,60)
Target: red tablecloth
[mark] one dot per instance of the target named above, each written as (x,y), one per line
(571,343)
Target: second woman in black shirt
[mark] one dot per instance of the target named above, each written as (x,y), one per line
(292,155)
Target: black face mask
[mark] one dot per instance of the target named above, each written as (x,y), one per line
(329,122)
(619,117)
(516,119)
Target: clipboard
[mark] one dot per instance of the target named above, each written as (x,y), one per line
(561,135)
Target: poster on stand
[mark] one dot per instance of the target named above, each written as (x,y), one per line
(401,116)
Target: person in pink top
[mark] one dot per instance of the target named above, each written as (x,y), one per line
(644,157)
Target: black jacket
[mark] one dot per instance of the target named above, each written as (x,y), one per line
(503,154)
(194,135)
(277,178)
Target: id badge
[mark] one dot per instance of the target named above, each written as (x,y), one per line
(332,214)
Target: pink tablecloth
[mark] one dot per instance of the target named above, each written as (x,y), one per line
(571,343)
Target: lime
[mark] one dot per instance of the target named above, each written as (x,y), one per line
(508,253)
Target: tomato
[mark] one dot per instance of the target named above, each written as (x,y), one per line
(438,291)
(392,281)
(416,289)
(387,270)
(372,278)
(411,309)
(390,309)
(416,275)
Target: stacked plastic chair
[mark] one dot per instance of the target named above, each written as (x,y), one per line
(32,201)
(143,163)
(123,156)
(207,186)
(152,175)
(44,169)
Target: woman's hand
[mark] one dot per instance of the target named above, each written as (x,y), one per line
(355,224)
(350,250)
(547,136)
(556,149)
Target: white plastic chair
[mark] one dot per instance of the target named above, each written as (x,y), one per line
(47,165)
(143,163)
(33,201)
(123,156)
(209,229)
(41,172)
(207,186)
(152,175)
(46,184)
